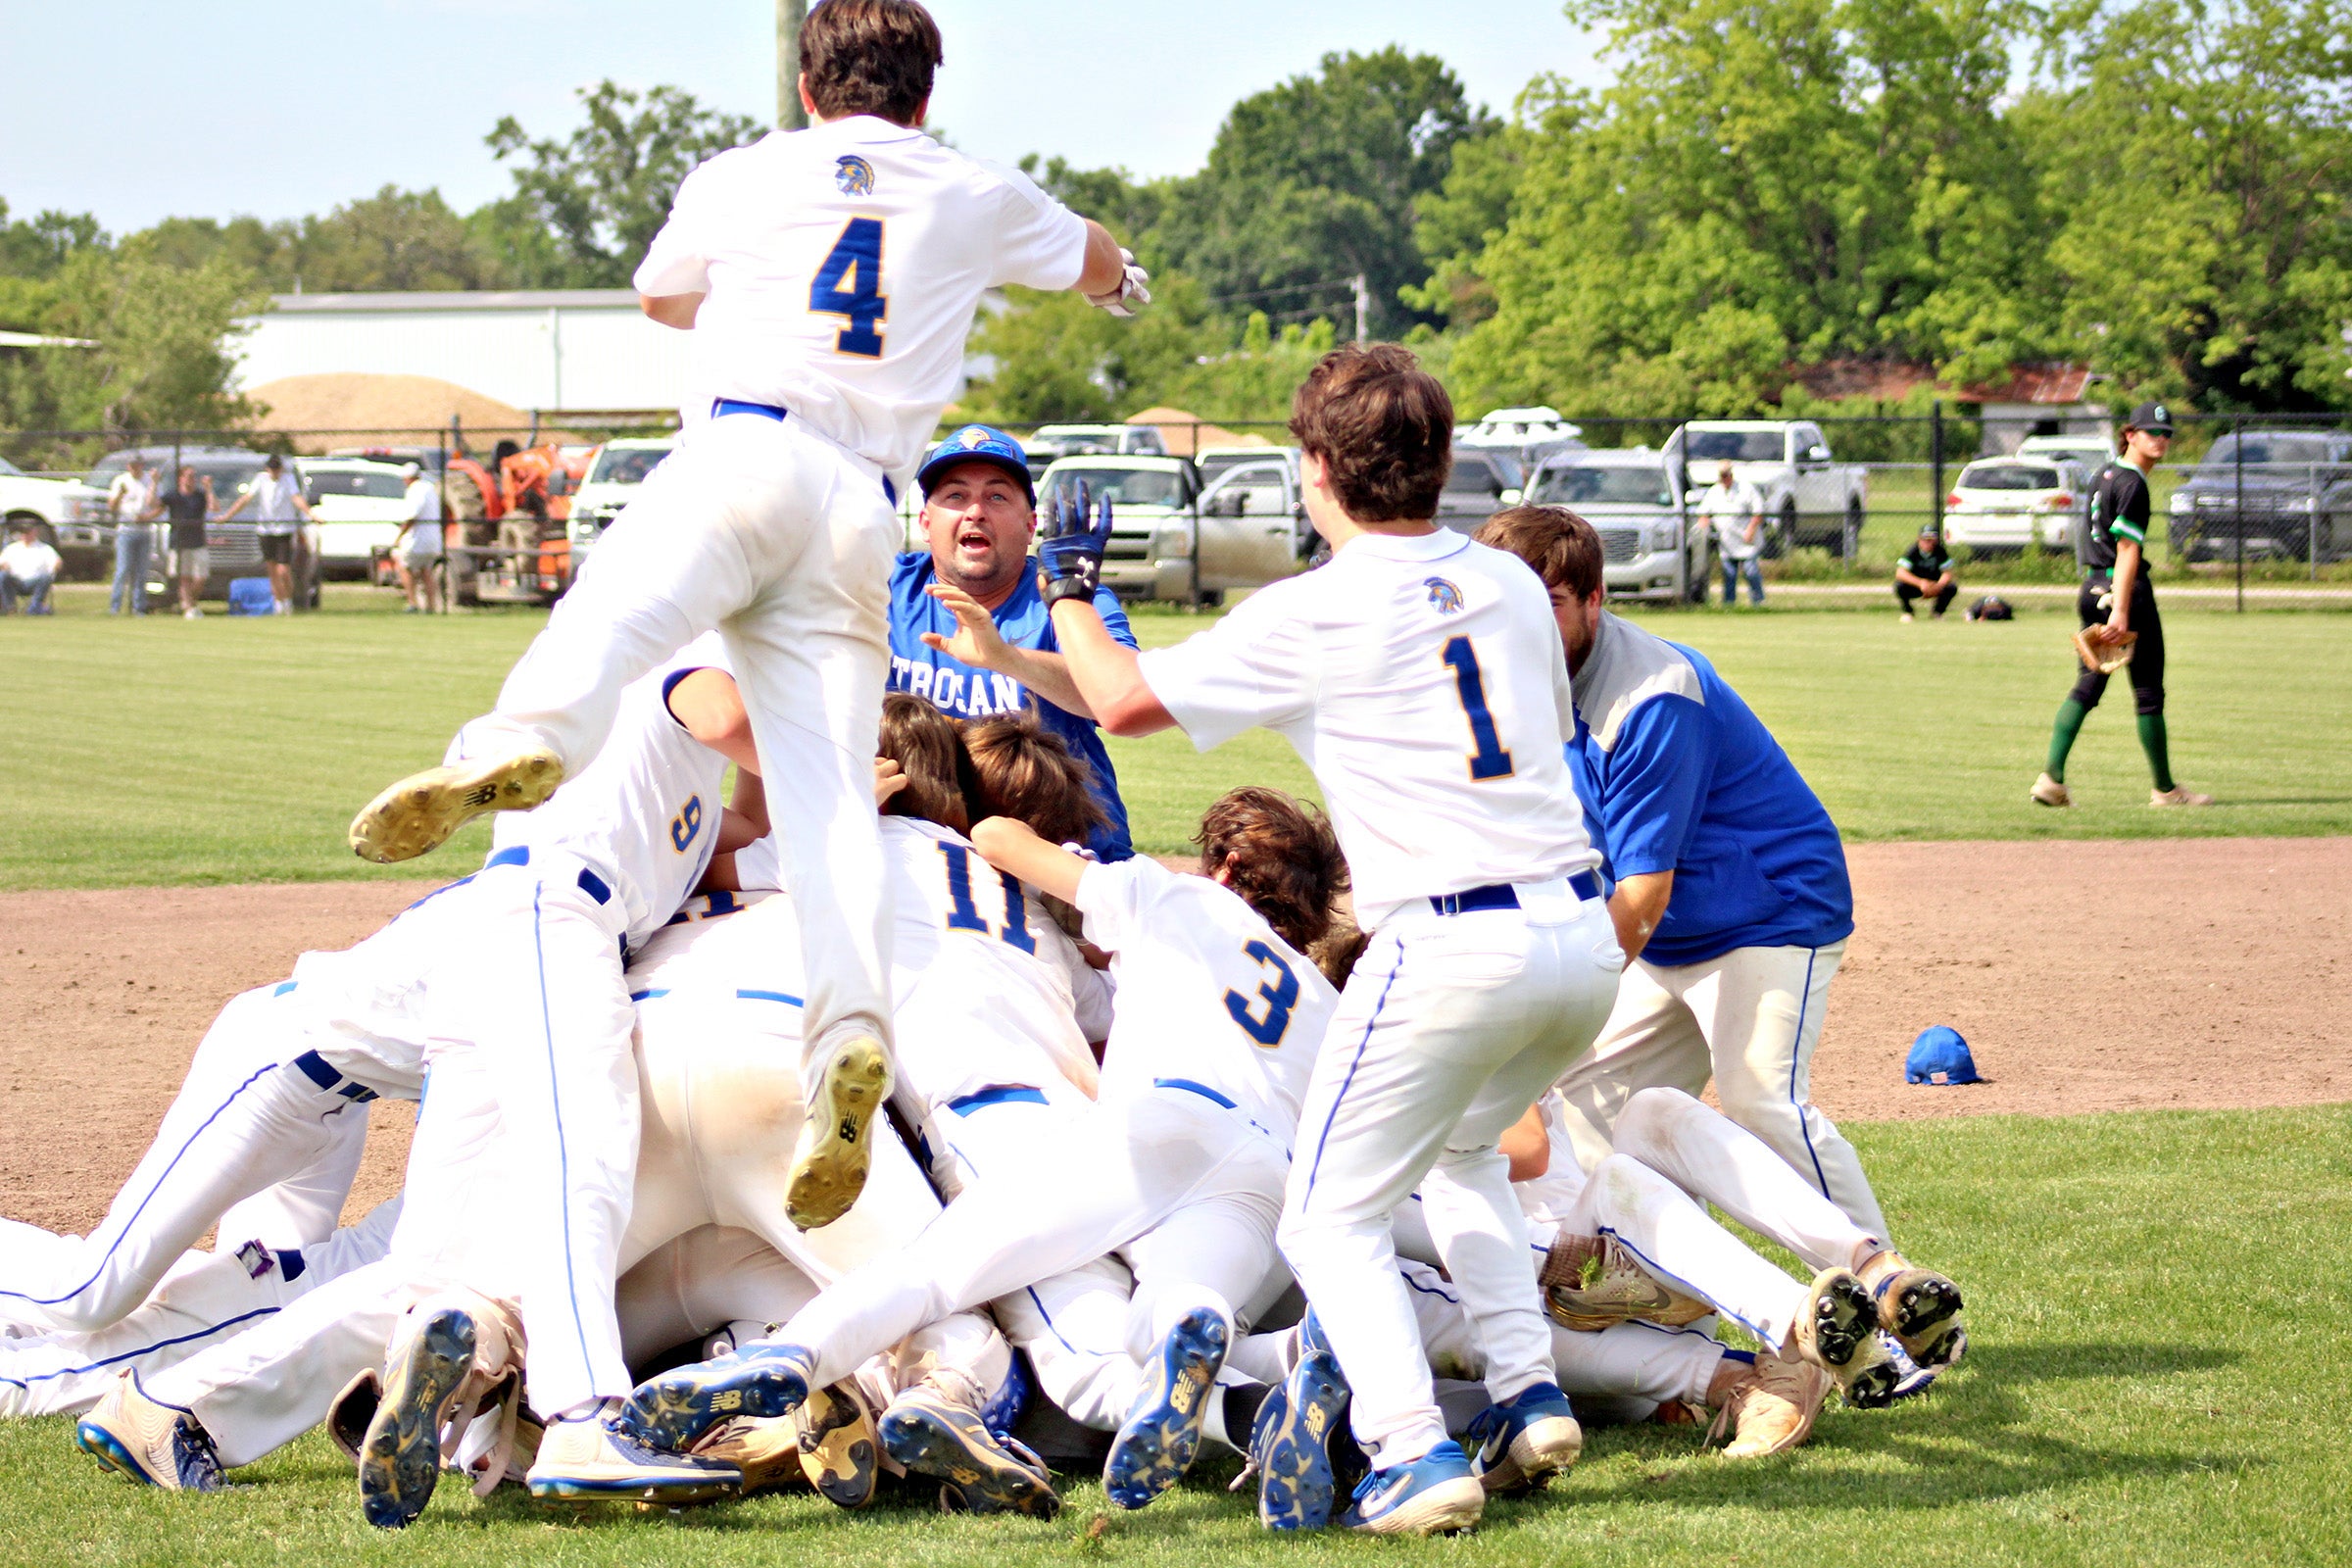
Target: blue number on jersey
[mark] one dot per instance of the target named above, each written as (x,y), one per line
(965,914)
(687,823)
(1279,994)
(849,283)
(1490,760)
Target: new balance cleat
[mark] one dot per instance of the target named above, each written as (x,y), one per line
(593,1459)
(675,1409)
(1770,1407)
(420,812)
(1837,1332)
(1526,1440)
(978,1471)
(836,1143)
(152,1443)
(1289,1446)
(400,1456)
(1156,1445)
(764,1450)
(1434,1494)
(840,1444)
(1919,1308)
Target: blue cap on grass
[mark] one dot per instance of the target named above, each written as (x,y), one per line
(1939,1056)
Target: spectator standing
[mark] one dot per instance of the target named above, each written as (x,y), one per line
(1737,510)
(130,500)
(967,627)
(27,571)
(417,552)
(188,505)
(1924,572)
(277,507)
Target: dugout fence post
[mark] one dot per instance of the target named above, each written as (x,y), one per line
(1936,463)
(2238,452)
(2311,520)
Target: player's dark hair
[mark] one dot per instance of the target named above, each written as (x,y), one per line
(1280,854)
(1029,773)
(1336,953)
(870,57)
(1561,547)
(926,745)
(1383,428)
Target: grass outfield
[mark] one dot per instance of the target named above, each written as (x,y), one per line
(2158,1326)
(149,751)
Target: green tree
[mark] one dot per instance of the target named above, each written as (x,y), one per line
(604,191)
(166,337)
(38,246)
(1057,357)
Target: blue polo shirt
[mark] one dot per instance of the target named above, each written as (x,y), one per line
(963,692)
(1678,774)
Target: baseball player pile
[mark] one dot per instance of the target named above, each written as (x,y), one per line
(854,1128)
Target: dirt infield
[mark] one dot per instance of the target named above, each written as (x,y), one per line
(2205,984)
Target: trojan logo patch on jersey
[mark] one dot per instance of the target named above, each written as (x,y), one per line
(854,175)
(1445,595)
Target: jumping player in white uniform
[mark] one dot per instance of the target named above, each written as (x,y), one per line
(829,277)
(1419,675)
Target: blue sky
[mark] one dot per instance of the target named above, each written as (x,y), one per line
(135,110)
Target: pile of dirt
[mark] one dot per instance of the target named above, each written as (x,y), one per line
(380,410)
(1183,435)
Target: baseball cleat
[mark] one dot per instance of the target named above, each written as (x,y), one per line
(420,812)
(979,1472)
(591,1459)
(1592,1283)
(1526,1440)
(1910,1378)
(837,1134)
(764,1451)
(1434,1494)
(1289,1446)
(152,1443)
(1770,1407)
(400,1456)
(2178,795)
(839,1445)
(1918,1307)
(2048,791)
(1156,1445)
(1837,1332)
(675,1409)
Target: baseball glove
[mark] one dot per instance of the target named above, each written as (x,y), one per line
(2104,658)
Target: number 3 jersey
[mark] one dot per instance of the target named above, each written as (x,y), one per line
(1209,997)
(841,266)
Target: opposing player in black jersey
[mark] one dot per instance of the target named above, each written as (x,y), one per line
(2116,599)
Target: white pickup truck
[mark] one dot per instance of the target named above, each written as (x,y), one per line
(1809,498)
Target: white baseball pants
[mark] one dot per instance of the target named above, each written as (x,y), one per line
(1448,1029)
(784,542)
(206,1299)
(1185,1188)
(1750,1019)
(244,1122)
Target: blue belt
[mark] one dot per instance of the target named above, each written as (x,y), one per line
(1202,1090)
(520,854)
(777,411)
(318,1070)
(1502,896)
(997,1095)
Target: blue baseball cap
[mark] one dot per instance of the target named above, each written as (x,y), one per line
(978,443)
(1941,1050)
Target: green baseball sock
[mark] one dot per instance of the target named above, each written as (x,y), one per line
(2154,742)
(2071,715)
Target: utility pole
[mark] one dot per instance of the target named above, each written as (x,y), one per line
(1363,307)
(790,115)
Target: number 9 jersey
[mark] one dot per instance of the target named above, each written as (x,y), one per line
(1210,998)
(841,266)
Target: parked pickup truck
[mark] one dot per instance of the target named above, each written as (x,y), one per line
(1247,522)
(1809,497)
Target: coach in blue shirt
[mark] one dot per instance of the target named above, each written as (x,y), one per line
(1731,899)
(967,629)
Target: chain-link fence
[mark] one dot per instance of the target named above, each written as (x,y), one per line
(2249,508)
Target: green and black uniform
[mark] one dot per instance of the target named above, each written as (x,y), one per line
(1929,566)
(2118,510)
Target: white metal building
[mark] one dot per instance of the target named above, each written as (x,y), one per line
(582,351)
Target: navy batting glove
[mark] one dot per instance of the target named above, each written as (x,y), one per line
(1070,548)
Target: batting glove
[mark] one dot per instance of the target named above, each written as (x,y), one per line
(1070,548)
(1132,292)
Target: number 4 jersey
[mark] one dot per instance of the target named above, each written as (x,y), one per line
(1209,997)
(841,266)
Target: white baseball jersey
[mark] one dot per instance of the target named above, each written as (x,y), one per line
(1208,995)
(841,266)
(1421,678)
(646,813)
